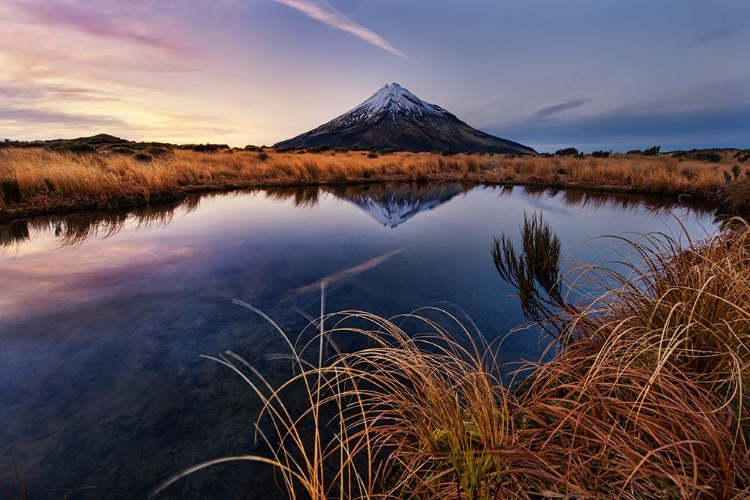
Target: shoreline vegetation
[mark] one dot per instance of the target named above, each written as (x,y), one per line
(646,394)
(106,173)
(647,391)
(78,227)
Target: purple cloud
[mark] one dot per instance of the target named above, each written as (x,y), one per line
(124,21)
(559,108)
(42,116)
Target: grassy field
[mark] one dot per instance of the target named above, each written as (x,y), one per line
(38,181)
(647,395)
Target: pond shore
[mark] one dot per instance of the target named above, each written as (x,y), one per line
(35,181)
(646,397)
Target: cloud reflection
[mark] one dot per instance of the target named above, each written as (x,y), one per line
(389,204)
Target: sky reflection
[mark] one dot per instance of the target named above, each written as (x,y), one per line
(103,318)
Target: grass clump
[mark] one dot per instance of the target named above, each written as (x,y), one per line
(647,395)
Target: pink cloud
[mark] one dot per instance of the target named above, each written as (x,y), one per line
(124,21)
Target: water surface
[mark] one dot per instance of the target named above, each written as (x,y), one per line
(103,316)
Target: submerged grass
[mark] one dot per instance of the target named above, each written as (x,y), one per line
(647,396)
(34,180)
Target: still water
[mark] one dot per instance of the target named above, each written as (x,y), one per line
(103,317)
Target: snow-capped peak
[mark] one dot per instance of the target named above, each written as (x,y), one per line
(393,98)
(394,118)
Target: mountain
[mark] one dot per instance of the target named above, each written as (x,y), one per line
(394,206)
(394,118)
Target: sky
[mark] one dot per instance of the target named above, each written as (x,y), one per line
(590,74)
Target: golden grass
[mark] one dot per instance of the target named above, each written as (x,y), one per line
(647,397)
(39,181)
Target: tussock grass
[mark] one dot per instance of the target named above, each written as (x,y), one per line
(647,396)
(34,180)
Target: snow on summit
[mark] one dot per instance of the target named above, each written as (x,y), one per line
(393,97)
(394,118)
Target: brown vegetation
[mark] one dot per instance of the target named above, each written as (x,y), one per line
(647,396)
(36,180)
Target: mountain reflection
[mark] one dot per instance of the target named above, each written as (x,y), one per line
(389,204)
(393,205)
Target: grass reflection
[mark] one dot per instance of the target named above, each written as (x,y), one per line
(389,203)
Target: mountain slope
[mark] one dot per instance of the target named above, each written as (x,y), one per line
(394,118)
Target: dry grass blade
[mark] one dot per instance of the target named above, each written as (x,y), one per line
(646,398)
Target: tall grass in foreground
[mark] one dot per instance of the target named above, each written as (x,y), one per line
(648,396)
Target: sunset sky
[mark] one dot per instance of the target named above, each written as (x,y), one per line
(591,74)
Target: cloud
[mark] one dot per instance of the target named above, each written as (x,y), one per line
(725,29)
(114,20)
(636,126)
(43,116)
(559,108)
(325,13)
(27,90)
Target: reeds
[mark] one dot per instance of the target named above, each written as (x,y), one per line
(647,396)
(33,180)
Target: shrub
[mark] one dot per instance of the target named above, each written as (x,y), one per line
(101,139)
(142,157)
(157,151)
(208,148)
(567,152)
(635,152)
(601,154)
(372,154)
(78,148)
(121,150)
(652,151)
(709,156)
(262,156)
(448,152)
(10,191)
